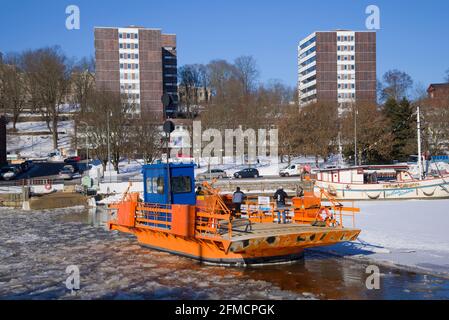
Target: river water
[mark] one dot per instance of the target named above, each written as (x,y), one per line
(37,247)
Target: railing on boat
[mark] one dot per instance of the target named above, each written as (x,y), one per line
(212,219)
(332,214)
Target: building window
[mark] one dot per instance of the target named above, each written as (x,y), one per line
(136,56)
(136,46)
(128,46)
(128,36)
(121,65)
(120,35)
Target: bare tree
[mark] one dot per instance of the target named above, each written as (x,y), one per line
(48,78)
(108,120)
(247,73)
(82,86)
(220,75)
(189,77)
(83,82)
(146,139)
(447,76)
(319,124)
(396,85)
(13,89)
(374,137)
(435,124)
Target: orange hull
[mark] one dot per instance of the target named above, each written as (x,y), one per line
(207,232)
(255,250)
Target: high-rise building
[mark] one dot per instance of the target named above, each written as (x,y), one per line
(337,67)
(140,63)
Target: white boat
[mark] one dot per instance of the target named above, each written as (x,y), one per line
(385,182)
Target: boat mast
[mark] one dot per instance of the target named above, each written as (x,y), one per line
(418,122)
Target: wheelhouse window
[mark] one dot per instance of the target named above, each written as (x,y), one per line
(155,185)
(181,184)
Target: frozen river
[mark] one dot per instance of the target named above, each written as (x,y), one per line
(37,247)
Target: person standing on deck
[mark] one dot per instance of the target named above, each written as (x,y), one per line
(237,200)
(280,196)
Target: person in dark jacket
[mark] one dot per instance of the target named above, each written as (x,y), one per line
(237,200)
(280,196)
(199,191)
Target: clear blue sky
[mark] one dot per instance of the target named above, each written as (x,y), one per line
(413,37)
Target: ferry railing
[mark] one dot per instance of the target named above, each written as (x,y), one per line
(213,217)
(331,215)
(153,216)
(338,209)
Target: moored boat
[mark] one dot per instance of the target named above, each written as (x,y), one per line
(380,182)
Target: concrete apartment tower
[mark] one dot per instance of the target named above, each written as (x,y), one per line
(337,67)
(138,62)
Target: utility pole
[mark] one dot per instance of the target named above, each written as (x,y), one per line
(109,151)
(87,143)
(418,123)
(355,134)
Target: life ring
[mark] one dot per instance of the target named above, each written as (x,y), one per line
(373,197)
(331,190)
(429,194)
(48,186)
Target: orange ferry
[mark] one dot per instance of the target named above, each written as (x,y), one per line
(172,218)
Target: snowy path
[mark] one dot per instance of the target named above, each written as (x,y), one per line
(412,234)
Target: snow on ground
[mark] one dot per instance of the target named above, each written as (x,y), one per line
(41,126)
(31,146)
(267,166)
(411,233)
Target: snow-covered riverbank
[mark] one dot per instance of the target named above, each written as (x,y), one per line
(413,234)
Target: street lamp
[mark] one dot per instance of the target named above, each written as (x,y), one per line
(109,148)
(87,143)
(356,112)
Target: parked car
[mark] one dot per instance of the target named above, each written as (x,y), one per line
(66,173)
(70,167)
(292,170)
(247,173)
(72,159)
(8,173)
(214,174)
(26,165)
